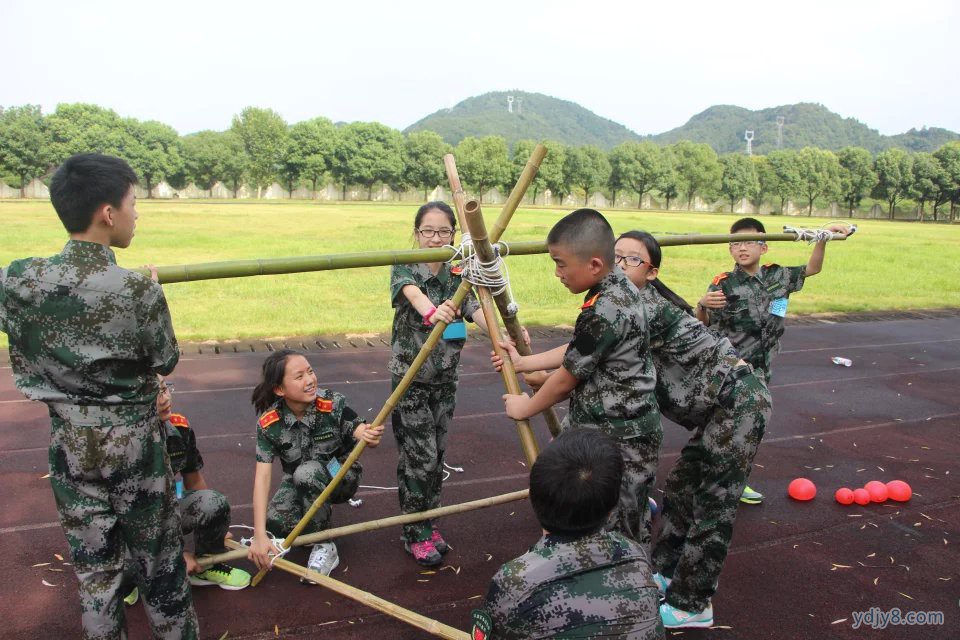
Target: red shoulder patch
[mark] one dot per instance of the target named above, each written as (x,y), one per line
(589,303)
(324,406)
(720,278)
(457,270)
(269,418)
(179,420)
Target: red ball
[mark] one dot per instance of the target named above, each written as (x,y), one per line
(877,491)
(861,496)
(802,489)
(899,490)
(844,496)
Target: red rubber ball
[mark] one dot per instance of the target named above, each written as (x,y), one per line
(877,491)
(899,490)
(844,496)
(861,496)
(802,489)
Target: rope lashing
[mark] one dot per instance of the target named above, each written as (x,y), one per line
(815,235)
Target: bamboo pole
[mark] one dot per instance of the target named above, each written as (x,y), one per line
(458,297)
(303,264)
(381,523)
(431,626)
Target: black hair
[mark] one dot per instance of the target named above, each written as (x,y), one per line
(575,482)
(271,376)
(84,183)
(436,204)
(656,255)
(586,233)
(747,224)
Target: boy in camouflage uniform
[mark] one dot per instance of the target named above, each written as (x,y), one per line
(88,338)
(606,368)
(748,305)
(577,581)
(203,511)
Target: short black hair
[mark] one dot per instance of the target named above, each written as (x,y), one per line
(575,482)
(586,233)
(84,183)
(747,224)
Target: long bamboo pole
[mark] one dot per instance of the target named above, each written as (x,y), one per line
(382,523)
(526,177)
(431,626)
(466,214)
(303,264)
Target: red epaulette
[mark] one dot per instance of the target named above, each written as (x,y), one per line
(324,406)
(589,303)
(269,418)
(457,270)
(179,420)
(720,278)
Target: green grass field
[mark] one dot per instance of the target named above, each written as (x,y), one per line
(884,266)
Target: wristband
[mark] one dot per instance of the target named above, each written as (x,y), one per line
(428,315)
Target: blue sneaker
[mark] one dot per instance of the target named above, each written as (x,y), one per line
(654,509)
(662,582)
(674,618)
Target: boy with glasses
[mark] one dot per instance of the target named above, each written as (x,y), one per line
(748,305)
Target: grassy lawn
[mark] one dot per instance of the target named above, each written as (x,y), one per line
(884,266)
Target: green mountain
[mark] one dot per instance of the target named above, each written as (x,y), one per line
(805,124)
(534,117)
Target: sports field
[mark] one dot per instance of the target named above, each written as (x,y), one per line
(884,266)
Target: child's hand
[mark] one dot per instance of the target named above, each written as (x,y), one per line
(192,565)
(839,229)
(714,300)
(515,357)
(369,434)
(445,312)
(260,551)
(516,405)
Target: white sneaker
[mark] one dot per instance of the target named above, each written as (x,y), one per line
(323,559)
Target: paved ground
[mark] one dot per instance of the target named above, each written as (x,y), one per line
(795,570)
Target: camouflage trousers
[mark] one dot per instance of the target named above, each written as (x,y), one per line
(299,489)
(421,420)
(703,490)
(114,491)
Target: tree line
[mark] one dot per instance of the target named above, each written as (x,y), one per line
(260,148)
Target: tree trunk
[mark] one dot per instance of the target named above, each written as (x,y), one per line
(210,192)
(640,201)
(149,186)
(290,190)
(920,213)
(343,192)
(586,196)
(810,208)
(23,186)
(731,205)
(668,202)
(313,185)
(892,202)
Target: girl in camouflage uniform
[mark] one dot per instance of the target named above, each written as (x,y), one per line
(311,430)
(703,385)
(420,295)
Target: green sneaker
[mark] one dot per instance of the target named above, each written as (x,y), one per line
(223,576)
(750,496)
(132,597)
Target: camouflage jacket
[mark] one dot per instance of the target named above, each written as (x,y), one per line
(325,432)
(84,331)
(609,354)
(691,361)
(746,320)
(182,445)
(409,332)
(595,586)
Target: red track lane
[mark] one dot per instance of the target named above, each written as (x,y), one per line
(894,414)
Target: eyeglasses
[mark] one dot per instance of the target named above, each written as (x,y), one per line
(631,261)
(745,243)
(166,387)
(445,233)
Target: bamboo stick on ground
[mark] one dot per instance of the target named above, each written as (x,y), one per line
(431,626)
(374,525)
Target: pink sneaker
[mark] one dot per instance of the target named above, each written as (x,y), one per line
(424,553)
(438,542)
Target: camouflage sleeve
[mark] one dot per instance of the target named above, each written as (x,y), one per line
(156,331)
(470,306)
(266,451)
(499,605)
(713,315)
(192,461)
(349,421)
(593,337)
(400,276)
(3,300)
(792,278)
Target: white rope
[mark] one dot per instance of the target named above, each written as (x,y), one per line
(815,235)
(492,274)
(277,542)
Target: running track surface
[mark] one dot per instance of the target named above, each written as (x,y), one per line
(795,570)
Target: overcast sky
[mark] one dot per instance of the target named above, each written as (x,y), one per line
(648,65)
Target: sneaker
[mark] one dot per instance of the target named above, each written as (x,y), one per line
(223,576)
(750,496)
(323,559)
(132,597)
(674,618)
(424,553)
(438,542)
(662,583)
(654,509)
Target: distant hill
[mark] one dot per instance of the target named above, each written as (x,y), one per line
(535,117)
(805,124)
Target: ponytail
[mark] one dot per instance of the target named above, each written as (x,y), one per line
(271,377)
